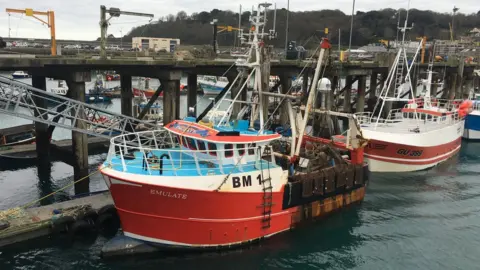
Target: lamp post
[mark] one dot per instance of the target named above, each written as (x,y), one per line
(455,9)
(398,26)
(351,29)
(286,27)
(121,38)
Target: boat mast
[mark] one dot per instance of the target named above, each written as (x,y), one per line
(324,46)
(259,20)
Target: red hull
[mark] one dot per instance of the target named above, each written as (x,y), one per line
(411,155)
(111,77)
(148,93)
(200,219)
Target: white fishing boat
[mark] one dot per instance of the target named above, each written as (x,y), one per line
(61,89)
(212,85)
(418,135)
(19,74)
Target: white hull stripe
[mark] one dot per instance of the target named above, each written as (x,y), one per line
(119,182)
(413,160)
(172,243)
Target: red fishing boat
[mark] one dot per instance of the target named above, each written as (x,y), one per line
(224,184)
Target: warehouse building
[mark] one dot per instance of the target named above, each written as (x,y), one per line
(157,44)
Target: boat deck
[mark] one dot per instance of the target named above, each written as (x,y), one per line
(176,163)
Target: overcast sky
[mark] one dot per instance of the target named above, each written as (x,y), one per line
(79,19)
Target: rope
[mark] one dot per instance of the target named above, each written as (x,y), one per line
(55,192)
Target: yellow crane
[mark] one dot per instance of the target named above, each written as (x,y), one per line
(227,28)
(50,22)
(424,43)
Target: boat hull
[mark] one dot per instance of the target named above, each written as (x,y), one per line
(176,218)
(412,152)
(472,126)
(209,89)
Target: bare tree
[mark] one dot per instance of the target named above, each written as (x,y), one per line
(182,15)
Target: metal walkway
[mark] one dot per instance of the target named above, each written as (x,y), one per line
(19,99)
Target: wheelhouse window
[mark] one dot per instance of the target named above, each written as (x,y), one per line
(251,149)
(184,142)
(191,143)
(179,139)
(212,148)
(228,150)
(241,149)
(201,146)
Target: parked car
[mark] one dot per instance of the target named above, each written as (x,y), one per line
(75,47)
(21,44)
(114,48)
(87,47)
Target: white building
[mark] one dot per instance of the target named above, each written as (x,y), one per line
(157,44)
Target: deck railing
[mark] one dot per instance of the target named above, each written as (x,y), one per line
(416,121)
(159,152)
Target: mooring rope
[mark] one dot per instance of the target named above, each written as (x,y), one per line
(9,212)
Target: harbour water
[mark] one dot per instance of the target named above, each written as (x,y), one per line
(421,220)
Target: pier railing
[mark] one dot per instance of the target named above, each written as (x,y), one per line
(158,152)
(24,101)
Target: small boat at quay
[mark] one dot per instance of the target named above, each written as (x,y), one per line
(20,75)
(472,121)
(23,134)
(212,85)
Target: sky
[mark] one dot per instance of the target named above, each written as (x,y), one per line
(79,20)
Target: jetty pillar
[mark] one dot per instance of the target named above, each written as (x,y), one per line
(170,101)
(331,104)
(469,85)
(347,106)
(233,93)
(192,94)
(459,83)
(126,94)
(452,87)
(414,77)
(76,84)
(373,85)
(305,82)
(170,81)
(434,86)
(42,143)
(335,80)
(362,85)
(286,83)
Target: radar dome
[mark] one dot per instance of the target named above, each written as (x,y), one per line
(324,84)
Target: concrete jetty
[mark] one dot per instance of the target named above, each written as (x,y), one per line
(25,224)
